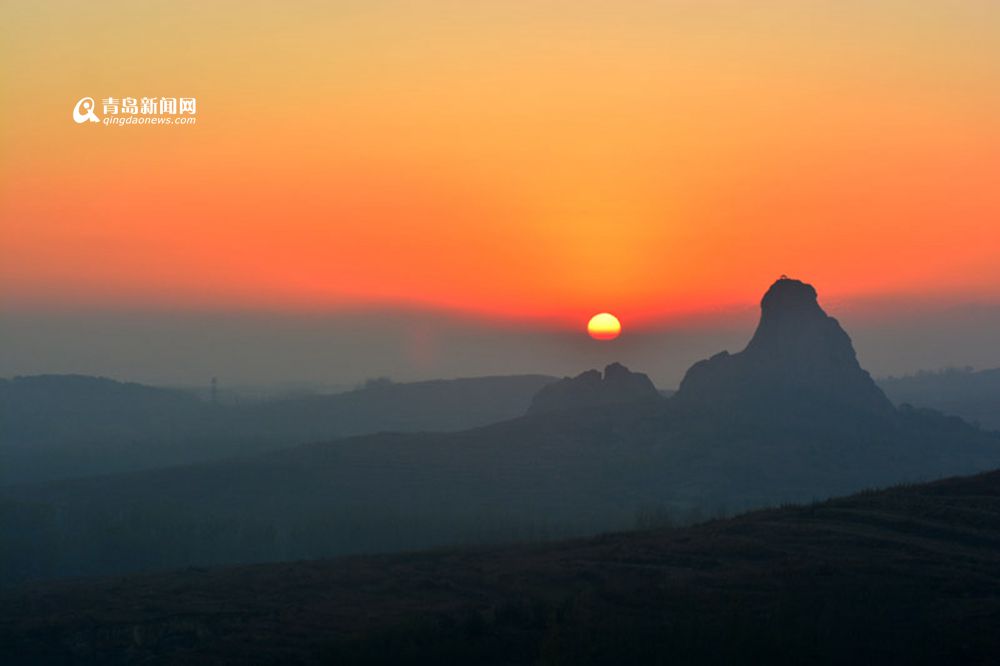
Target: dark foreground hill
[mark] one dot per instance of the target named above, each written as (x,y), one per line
(908,575)
(64,426)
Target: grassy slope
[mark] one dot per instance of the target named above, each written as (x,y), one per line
(908,575)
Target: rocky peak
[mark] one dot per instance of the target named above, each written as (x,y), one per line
(798,353)
(589,389)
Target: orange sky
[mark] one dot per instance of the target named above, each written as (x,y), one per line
(542,160)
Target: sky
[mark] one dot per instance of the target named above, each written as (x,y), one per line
(504,169)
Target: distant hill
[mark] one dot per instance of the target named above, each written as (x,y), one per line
(60,426)
(975,396)
(758,430)
(74,425)
(907,576)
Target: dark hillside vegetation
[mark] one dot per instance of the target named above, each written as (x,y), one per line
(907,575)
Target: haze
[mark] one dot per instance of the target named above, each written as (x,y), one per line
(337,350)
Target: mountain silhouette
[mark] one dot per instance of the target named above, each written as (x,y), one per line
(798,357)
(590,389)
(792,418)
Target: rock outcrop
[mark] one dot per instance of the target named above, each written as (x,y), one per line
(591,389)
(798,355)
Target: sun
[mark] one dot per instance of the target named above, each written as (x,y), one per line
(604,326)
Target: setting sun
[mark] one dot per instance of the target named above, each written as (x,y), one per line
(604,326)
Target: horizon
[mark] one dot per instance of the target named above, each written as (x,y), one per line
(268,349)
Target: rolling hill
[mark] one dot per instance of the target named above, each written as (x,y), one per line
(64,426)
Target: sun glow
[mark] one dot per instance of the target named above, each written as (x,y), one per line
(454,174)
(604,326)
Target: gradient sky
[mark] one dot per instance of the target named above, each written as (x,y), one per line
(513,161)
